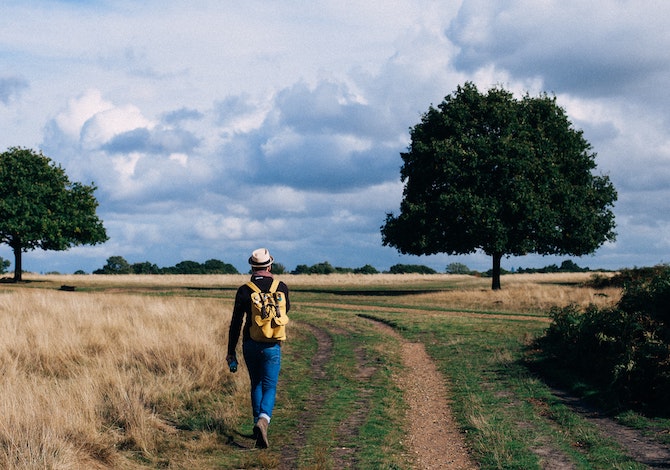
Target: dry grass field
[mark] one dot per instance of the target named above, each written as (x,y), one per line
(90,380)
(112,375)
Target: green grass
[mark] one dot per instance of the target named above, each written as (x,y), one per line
(507,412)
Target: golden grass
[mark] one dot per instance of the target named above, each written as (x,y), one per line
(90,380)
(315,280)
(218,280)
(522,297)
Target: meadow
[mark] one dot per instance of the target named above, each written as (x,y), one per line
(129,372)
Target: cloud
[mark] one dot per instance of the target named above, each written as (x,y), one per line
(72,119)
(325,137)
(584,48)
(11,87)
(183,114)
(210,128)
(156,141)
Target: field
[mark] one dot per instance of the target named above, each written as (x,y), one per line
(129,372)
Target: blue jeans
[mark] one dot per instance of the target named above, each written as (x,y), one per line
(263,363)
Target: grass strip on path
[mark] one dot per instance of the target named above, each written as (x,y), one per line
(355,422)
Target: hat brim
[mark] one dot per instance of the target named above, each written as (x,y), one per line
(264,264)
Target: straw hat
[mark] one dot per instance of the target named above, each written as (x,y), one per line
(261,258)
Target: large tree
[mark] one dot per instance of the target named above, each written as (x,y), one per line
(502,175)
(41,208)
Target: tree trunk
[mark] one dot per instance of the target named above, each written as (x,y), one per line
(495,277)
(18,268)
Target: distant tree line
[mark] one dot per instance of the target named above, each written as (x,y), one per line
(118,265)
(567,266)
(327,268)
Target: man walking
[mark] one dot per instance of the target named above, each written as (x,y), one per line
(263,359)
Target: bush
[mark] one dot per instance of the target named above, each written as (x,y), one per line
(624,350)
(628,276)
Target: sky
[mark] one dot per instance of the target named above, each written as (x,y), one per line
(211,128)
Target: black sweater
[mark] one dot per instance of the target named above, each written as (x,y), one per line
(242,309)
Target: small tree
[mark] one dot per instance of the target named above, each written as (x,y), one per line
(277,268)
(145,267)
(457,268)
(115,265)
(367,269)
(41,208)
(215,266)
(501,175)
(4,265)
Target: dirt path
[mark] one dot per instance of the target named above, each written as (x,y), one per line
(433,438)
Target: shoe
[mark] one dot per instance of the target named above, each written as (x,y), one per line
(261,433)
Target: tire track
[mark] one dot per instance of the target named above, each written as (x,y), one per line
(348,429)
(324,353)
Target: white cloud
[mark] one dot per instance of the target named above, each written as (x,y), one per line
(211,127)
(79,110)
(180,158)
(106,124)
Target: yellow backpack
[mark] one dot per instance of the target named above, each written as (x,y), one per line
(268,314)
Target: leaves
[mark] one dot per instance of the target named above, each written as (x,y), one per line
(41,208)
(490,172)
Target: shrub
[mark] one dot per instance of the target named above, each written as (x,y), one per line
(625,350)
(628,276)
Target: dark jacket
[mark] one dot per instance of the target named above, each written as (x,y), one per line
(242,309)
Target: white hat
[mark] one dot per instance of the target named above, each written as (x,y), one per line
(261,258)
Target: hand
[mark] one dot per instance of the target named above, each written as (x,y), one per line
(232,362)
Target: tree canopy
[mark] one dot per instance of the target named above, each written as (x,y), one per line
(41,208)
(506,176)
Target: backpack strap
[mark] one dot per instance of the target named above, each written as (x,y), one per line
(253,286)
(273,287)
